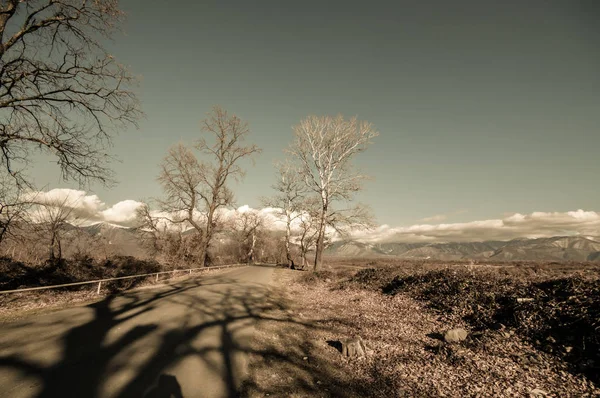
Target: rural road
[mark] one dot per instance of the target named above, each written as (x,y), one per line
(189,338)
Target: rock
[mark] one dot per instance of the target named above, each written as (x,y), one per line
(354,347)
(455,335)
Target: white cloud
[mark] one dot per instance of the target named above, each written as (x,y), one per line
(123,212)
(84,206)
(534,225)
(87,209)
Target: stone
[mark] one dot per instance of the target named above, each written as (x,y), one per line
(455,335)
(354,347)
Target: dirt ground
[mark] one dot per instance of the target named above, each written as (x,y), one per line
(405,357)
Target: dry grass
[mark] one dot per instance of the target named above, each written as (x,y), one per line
(407,358)
(290,356)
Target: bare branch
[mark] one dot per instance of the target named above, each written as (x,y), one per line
(195,187)
(324,148)
(60,91)
(290,193)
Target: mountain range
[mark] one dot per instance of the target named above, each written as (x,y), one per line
(559,248)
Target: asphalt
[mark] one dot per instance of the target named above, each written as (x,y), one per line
(186,339)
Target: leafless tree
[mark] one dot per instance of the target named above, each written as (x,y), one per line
(52,217)
(325,147)
(248,226)
(288,200)
(307,237)
(163,241)
(196,188)
(13,207)
(60,90)
(149,227)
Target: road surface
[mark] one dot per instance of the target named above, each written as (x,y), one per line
(186,339)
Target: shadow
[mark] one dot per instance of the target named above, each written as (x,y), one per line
(167,387)
(186,338)
(435,348)
(435,336)
(335,344)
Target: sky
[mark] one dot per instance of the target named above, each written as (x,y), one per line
(485,109)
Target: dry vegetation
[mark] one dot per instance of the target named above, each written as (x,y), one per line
(15,275)
(547,346)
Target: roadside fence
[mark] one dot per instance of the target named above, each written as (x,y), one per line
(100,281)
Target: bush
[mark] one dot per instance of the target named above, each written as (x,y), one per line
(555,313)
(308,278)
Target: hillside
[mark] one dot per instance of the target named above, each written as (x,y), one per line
(560,248)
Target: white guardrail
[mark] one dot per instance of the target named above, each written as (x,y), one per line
(99,281)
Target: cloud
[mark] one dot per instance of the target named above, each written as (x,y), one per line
(534,225)
(537,224)
(87,209)
(121,213)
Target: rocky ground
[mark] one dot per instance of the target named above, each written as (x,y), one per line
(407,350)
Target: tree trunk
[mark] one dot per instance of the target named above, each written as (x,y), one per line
(319,251)
(251,252)
(207,237)
(288,254)
(52,240)
(59,249)
(320,240)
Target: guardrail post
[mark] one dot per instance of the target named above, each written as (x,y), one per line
(157,277)
(190,272)
(99,286)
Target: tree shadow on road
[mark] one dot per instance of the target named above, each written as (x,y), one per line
(128,345)
(167,386)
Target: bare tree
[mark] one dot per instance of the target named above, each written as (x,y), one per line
(149,227)
(60,90)
(307,237)
(325,147)
(288,200)
(51,218)
(13,208)
(248,226)
(162,240)
(196,187)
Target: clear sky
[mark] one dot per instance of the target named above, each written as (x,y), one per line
(484,108)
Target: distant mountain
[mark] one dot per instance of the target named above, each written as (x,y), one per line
(560,248)
(103,227)
(124,240)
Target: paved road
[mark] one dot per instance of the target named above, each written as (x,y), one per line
(186,339)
